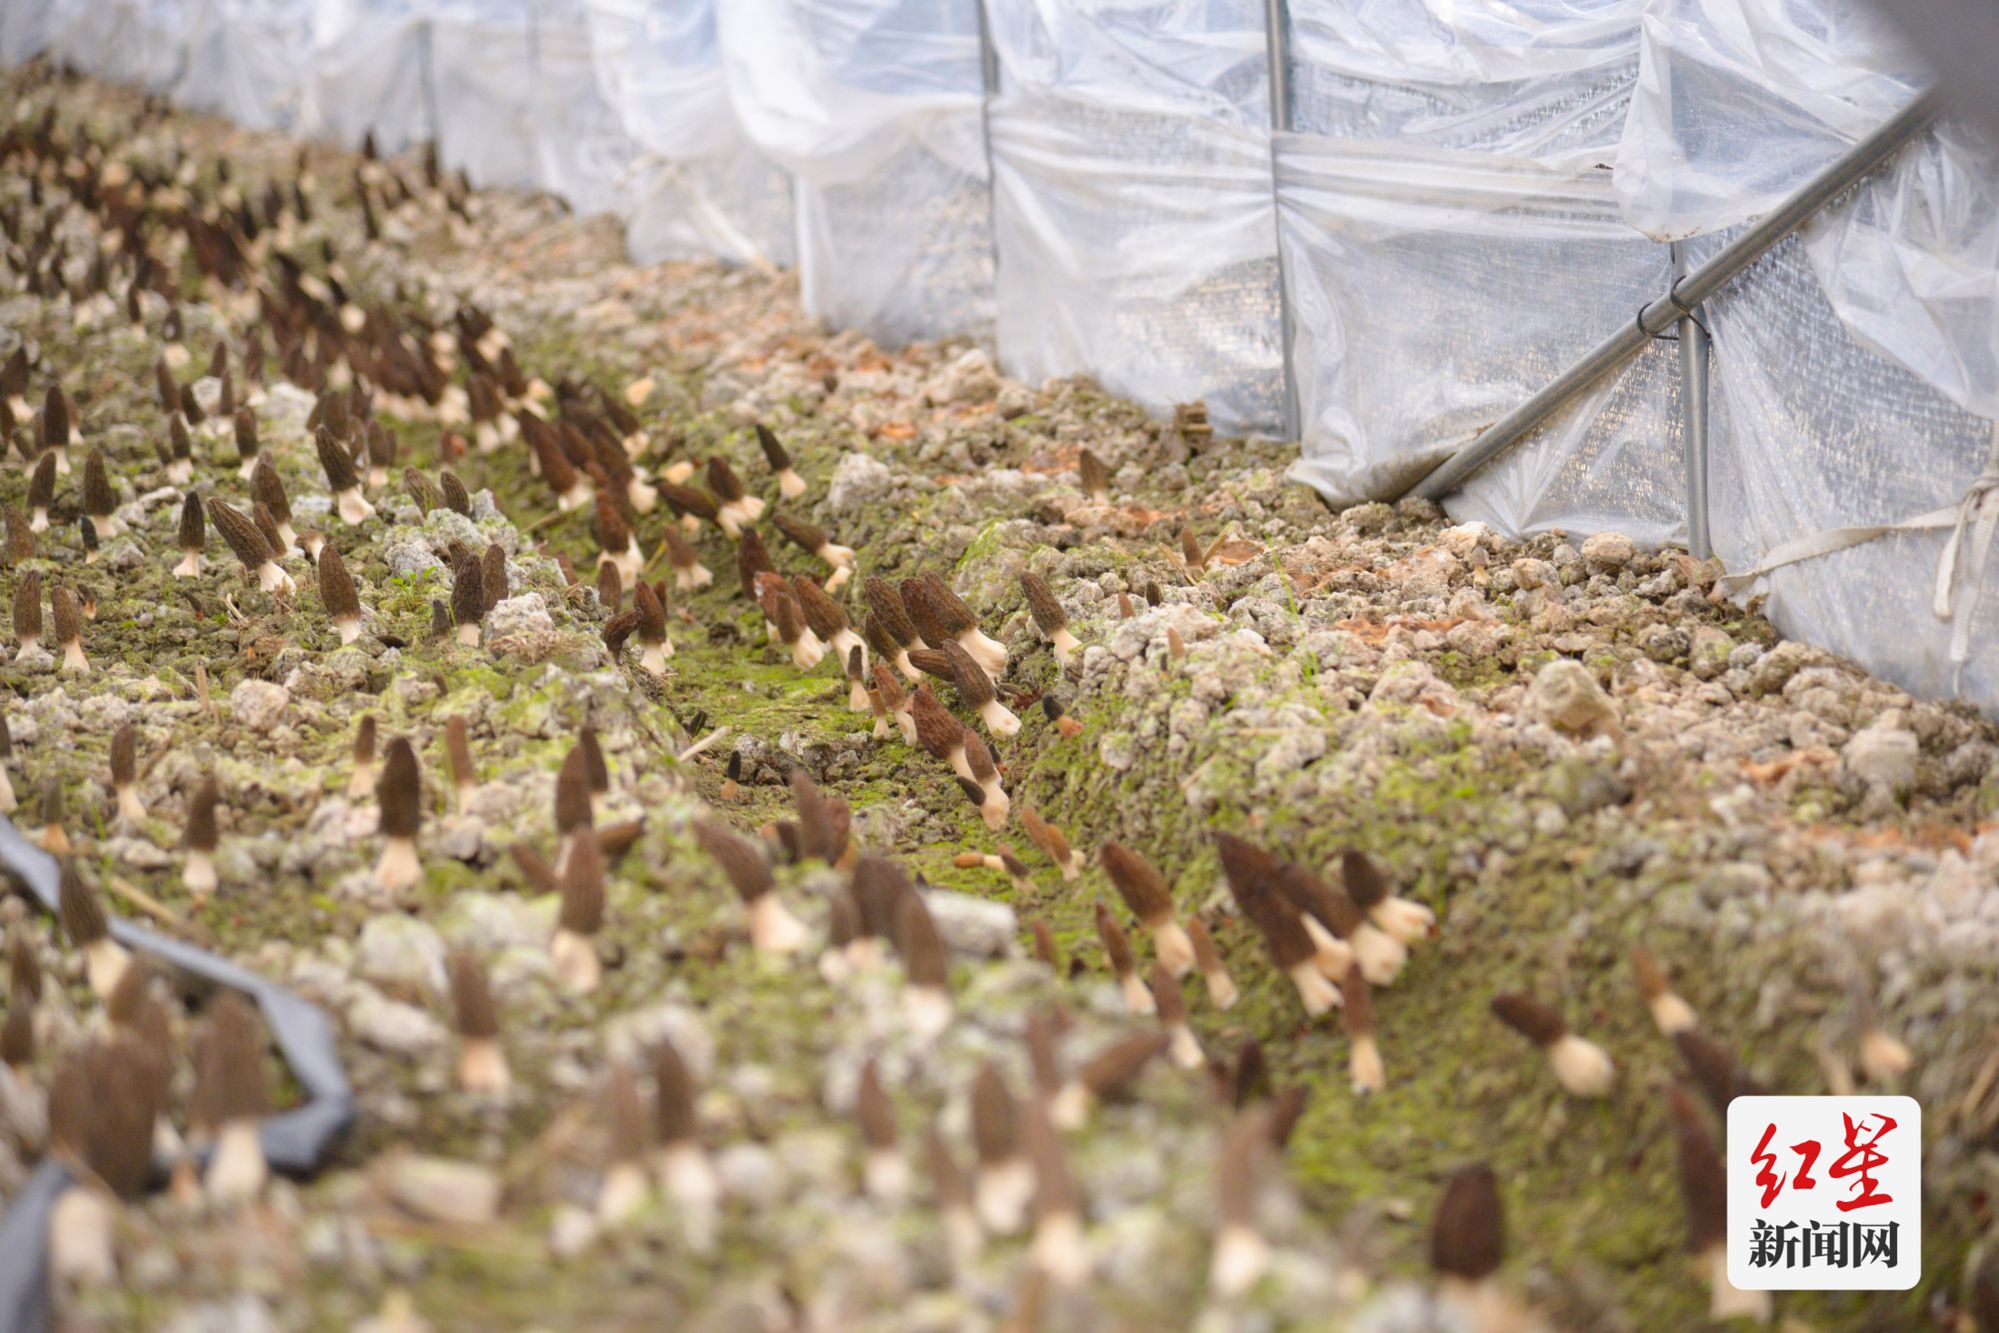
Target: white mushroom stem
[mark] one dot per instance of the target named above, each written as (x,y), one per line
(838,578)
(482,1066)
(575,961)
(108,526)
(362,782)
(865,953)
(789,484)
(1170,943)
(988,653)
(676,473)
(902,664)
(644,498)
(1137,998)
(999,719)
(835,966)
(805,653)
(885,1175)
(1001,1193)
(1060,1250)
(129,804)
(354,507)
(73,658)
(38,519)
(1364,1065)
(1380,955)
(180,472)
(31,643)
(1184,1047)
(1727,1301)
(1317,993)
(578,495)
(189,566)
(8,803)
(685,1173)
(288,535)
(80,1226)
(996,806)
(773,929)
(730,520)
(959,763)
(1064,644)
(836,555)
(349,628)
(198,873)
(273,579)
(238,1170)
(398,869)
(1240,1258)
(1069,1108)
(243,470)
(623,1192)
(857,696)
(882,730)
(690,577)
(844,643)
(905,721)
(1581,1066)
(928,1010)
(628,561)
(652,656)
(1334,955)
(961,1231)
(104,963)
(1403,920)
(1072,869)
(1671,1014)
(468,634)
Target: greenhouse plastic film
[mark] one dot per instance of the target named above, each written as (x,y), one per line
(876,107)
(1132,201)
(1813,431)
(698,186)
(24,29)
(247,60)
(1433,291)
(138,42)
(583,153)
(367,74)
(482,63)
(1541,79)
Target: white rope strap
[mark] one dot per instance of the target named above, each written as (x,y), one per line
(1976,515)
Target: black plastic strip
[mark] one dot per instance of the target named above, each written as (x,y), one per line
(296,1142)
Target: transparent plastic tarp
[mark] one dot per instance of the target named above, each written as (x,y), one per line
(583,153)
(138,42)
(368,74)
(1432,292)
(698,187)
(482,63)
(1452,242)
(1132,202)
(24,29)
(1857,367)
(247,60)
(875,107)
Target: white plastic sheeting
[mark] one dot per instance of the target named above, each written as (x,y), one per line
(876,108)
(1132,201)
(1452,241)
(1858,367)
(140,42)
(482,63)
(697,187)
(582,150)
(247,60)
(369,73)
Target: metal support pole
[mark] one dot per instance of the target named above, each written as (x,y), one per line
(989,82)
(1693,411)
(1277,57)
(427,80)
(1684,295)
